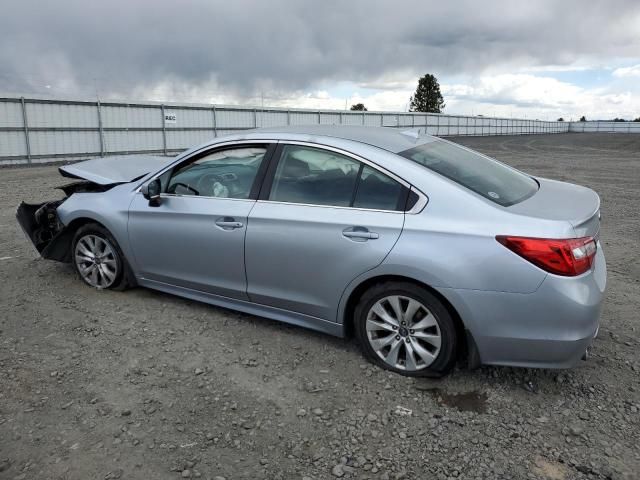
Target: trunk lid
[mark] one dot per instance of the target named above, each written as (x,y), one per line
(580,206)
(115,169)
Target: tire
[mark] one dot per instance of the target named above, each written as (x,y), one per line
(111,269)
(427,351)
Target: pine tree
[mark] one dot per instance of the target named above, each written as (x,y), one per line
(427,97)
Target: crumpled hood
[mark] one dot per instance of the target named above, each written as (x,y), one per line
(115,169)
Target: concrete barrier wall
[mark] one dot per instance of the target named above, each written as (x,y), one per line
(39,130)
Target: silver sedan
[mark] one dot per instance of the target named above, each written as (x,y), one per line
(427,252)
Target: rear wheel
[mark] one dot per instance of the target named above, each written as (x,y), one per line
(406,329)
(97,258)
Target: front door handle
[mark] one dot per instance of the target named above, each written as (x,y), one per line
(359,234)
(228,223)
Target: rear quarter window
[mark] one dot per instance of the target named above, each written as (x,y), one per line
(487,177)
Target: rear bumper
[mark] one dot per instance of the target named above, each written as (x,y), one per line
(551,328)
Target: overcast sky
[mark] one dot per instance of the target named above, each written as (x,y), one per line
(539,59)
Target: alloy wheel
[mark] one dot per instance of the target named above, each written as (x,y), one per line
(403,333)
(96,261)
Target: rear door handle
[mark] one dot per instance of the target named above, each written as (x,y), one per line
(228,223)
(359,234)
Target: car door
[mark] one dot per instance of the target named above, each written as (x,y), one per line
(194,237)
(323,218)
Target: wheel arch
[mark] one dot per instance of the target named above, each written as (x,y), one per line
(74,225)
(75,218)
(468,349)
(60,247)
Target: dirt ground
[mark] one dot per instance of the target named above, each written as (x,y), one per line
(107,385)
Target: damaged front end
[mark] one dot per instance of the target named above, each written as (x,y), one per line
(40,222)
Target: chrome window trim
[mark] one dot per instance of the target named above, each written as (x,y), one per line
(423,199)
(177,195)
(417,208)
(274,202)
(420,204)
(199,151)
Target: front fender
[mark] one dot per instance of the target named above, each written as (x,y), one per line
(110,209)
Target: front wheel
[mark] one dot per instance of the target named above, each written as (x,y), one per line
(406,329)
(97,257)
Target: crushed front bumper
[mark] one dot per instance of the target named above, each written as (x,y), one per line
(41,225)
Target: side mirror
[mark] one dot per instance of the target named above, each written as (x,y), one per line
(151,191)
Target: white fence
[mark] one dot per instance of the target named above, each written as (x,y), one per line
(605,127)
(37,130)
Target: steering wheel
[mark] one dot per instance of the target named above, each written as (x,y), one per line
(184,185)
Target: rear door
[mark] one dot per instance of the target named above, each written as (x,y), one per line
(195,237)
(323,218)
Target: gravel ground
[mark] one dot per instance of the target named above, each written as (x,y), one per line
(108,385)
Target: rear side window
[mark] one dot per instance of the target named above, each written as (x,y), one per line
(378,191)
(314,176)
(321,177)
(491,179)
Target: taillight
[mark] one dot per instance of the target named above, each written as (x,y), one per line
(568,257)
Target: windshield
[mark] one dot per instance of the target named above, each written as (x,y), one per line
(489,178)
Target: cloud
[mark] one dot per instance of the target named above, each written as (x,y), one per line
(245,46)
(502,95)
(633,71)
(521,90)
(540,97)
(291,51)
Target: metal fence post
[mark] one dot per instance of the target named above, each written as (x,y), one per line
(164,131)
(100,128)
(215,122)
(255,118)
(382,119)
(289,117)
(25,123)
(319,119)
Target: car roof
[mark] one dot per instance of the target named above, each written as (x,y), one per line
(387,138)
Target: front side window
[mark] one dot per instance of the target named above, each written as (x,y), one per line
(223,174)
(320,177)
(491,179)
